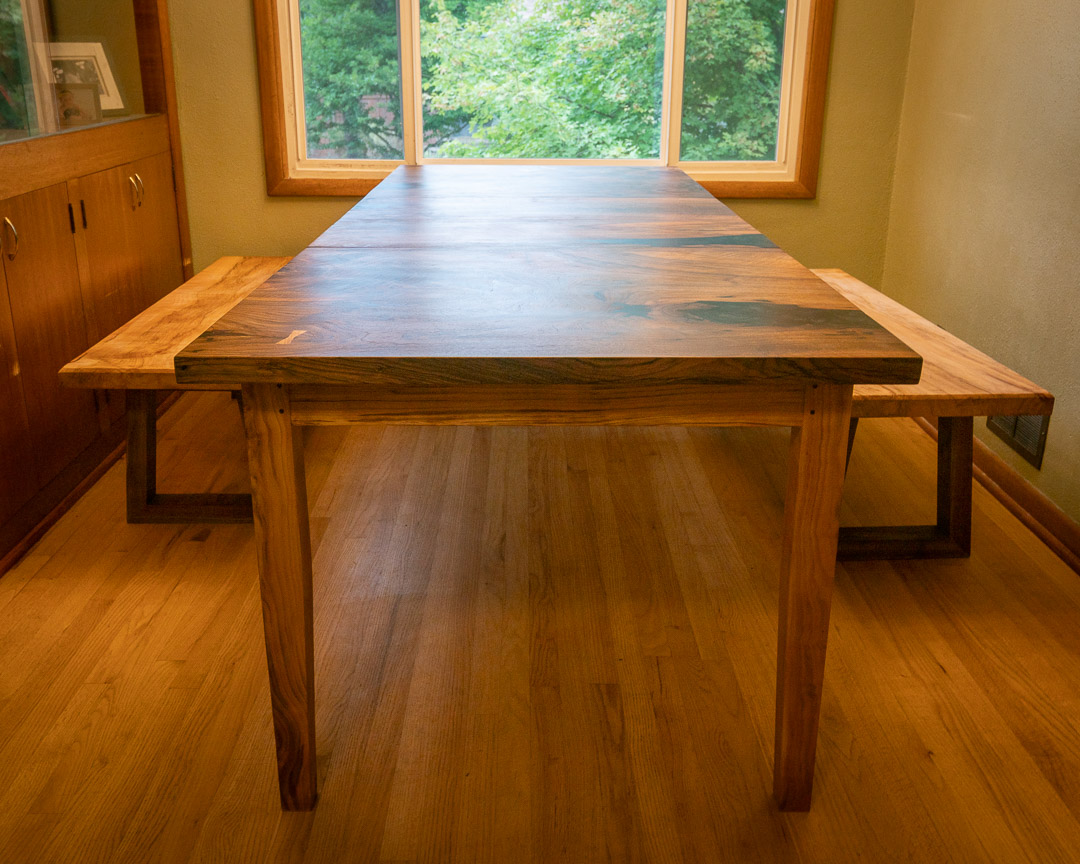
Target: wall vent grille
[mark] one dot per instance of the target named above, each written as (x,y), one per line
(1026,434)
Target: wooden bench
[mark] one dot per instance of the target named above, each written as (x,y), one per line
(958,383)
(138,358)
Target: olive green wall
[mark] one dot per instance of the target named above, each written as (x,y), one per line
(984,235)
(845,225)
(217,88)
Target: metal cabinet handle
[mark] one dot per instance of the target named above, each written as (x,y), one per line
(142,189)
(15,250)
(134,193)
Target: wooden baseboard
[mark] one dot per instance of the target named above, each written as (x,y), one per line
(1042,516)
(40,513)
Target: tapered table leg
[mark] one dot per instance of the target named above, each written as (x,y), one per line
(283,546)
(811,524)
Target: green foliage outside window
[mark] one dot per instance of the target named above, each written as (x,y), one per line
(542,78)
(15,108)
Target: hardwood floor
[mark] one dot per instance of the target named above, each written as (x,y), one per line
(535,645)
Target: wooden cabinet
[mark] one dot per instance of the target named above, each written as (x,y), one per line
(102,233)
(16,484)
(104,203)
(48,323)
(129,238)
(79,258)
(157,232)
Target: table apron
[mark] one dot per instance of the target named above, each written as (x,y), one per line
(754,404)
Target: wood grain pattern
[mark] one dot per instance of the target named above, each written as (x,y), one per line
(957,379)
(427,306)
(732,405)
(816,465)
(583,705)
(140,353)
(283,549)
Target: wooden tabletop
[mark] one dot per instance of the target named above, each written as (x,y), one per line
(528,275)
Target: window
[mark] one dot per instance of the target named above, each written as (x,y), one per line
(731,91)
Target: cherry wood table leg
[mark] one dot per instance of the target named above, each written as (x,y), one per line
(283,547)
(811,524)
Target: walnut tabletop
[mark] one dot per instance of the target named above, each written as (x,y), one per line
(523,295)
(508,275)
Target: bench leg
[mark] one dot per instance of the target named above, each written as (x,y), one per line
(141,451)
(956,439)
(145,505)
(852,429)
(951,536)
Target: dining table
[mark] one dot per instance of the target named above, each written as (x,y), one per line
(522,295)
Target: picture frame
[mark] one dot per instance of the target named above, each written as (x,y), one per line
(85,63)
(77,104)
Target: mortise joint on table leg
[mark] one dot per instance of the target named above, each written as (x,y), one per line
(815,482)
(283,546)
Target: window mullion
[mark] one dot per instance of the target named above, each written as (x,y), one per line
(412,115)
(673,113)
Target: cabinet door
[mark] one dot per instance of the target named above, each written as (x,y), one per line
(107,203)
(132,242)
(17,480)
(47,318)
(157,235)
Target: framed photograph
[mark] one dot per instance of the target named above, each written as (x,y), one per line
(77,104)
(85,63)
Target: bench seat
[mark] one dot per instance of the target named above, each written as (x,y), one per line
(139,355)
(138,358)
(958,383)
(957,380)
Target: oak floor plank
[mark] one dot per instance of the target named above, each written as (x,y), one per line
(535,645)
(427,775)
(492,823)
(388,600)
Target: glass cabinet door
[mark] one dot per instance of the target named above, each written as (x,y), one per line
(24,90)
(65,64)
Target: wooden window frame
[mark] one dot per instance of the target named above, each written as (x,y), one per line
(792,175)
